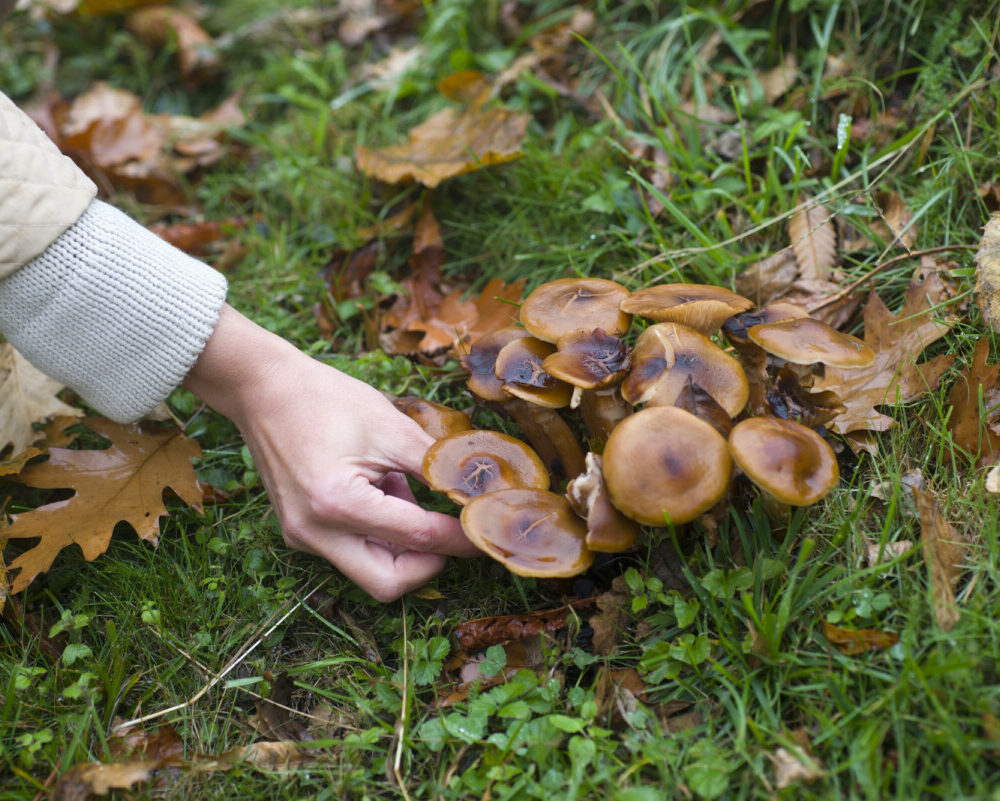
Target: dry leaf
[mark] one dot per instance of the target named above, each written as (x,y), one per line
(795,765)
(975,400)
(776,82)
(160,25)
(895,376)
(480,634)
(856,641)
(814,239)
(894,226)
(447,144)
(944,551)
(992,483)
(769,278)
(609,623)
(81,782)
(988,272)
(27,396)
(876,553)
(124,482)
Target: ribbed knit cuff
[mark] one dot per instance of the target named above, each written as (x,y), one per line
(112,311)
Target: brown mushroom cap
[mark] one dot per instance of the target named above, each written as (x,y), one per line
(472,463)
(608,530)
(737,328)
(784,458)
(668,355)
(699,306)
(481,361)
(561,306)
(807,341)
(519,367)
(436,419)
(663,464)
(588,359)
(532,532)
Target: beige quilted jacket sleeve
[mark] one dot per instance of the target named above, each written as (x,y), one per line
(42,192)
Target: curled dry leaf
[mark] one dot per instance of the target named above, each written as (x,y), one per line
(449,143)
(476,635)
(856,641)
(124,482)
(161,25)
(895,376)
(975,401)
(27,396)
(877,553)
(814,240)
(944,552)
(797,764)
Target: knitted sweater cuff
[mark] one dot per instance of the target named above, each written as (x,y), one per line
(113,312)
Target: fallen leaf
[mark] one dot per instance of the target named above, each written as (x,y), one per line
(197,238)
(274,714)
(609,623)
(894,226)
(814,239)
(992,482)
(161,25)
(449,143)
(796,764)
(877,553)
(944,552)
(27,396)
(777,81)
(975,407)
(124,482)
(481,633)
(895,376)
(769,278)
(163,744)
(82,781)
(856,641)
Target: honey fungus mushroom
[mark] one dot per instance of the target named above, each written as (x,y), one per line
(608,530)
(436,419)
(664,465)
(702,307)
(558,307)
(472,463)
(532,532)
(667,355)
(807,340)
(790,462)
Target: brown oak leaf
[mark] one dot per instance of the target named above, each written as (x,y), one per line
(124,482)
(944,552)
(975,400)
(895,376)
(814,240)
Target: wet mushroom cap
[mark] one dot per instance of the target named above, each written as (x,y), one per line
(560,306)
(519,368)
(807,341)
(436,419)
(700,306)
(663,464)
(532,532)
(472,463)
(669,355)
(588,359)
(784,458)
(608,530)
(480,362)
(737,328)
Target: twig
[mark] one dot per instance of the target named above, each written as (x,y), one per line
(843,293)
(401,725)
(262,633)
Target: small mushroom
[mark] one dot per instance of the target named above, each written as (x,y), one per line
(472,463)
(558,307)
(608,530)
(663,465)
(436,419)
(519,368)
(532,532)
(699,306)
(790,462)
(809,341)
(668,355)
(480,363)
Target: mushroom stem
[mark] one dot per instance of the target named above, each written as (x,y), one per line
(549,435)
(602,410)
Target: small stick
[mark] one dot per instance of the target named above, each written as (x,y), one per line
(843,293)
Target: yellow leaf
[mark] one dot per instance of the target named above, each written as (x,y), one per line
(27,396)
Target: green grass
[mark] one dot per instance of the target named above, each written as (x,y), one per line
(741,657)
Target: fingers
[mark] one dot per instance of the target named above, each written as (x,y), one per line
(377,570)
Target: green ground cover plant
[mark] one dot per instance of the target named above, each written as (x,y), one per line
(708,669)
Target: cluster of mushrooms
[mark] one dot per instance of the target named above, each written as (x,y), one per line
(659,418)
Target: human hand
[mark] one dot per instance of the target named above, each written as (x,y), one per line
(333,454)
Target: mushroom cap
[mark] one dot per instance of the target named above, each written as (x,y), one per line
(806,341)
(480,362)
(519,368)
(532,532)
(588,359)
(737,327)
(472,463)
(608,530)
(664,464)
(558,307)
(699,306)
(436,419)
(784,458)
(668,355)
